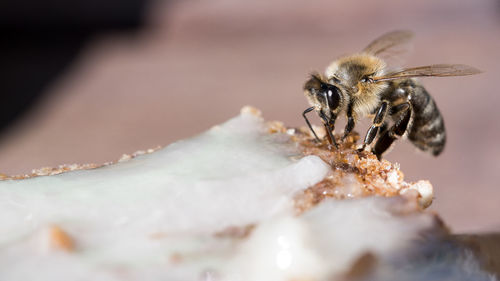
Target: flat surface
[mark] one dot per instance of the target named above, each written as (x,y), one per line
(199,63)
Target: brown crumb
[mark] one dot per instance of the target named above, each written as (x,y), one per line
(60,240)
(49,171)
(238,232)
(175,258)
(276,127)
(362,267)
(354,174)
(251,110)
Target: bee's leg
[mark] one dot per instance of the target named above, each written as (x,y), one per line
(383,129)
(378,120)
(329,127)
(396,131)
(350,123)
(309,124)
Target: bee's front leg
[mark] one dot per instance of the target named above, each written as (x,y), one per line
(350,123)
(309,123)
(378,120)
(329,127)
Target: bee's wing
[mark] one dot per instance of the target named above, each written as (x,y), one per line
(435,70)
(390,43)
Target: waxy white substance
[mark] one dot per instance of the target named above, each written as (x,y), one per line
(155,217)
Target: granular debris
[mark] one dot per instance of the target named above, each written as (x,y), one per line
(355,173)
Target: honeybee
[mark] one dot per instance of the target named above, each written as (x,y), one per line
(362,85)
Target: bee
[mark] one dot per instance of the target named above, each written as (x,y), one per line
(363,85)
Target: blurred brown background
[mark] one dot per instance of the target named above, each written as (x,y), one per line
(196,63)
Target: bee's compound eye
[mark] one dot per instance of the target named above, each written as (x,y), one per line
(333,97)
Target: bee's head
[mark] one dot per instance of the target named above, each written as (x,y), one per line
(322,95)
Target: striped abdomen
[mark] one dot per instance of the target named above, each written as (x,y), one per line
(427,131)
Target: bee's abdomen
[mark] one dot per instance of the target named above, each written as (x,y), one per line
(427,132)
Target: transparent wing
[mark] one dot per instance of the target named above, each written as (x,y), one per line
(435,70)
(390,44)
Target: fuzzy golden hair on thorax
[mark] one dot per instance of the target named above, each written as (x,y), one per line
(353,75)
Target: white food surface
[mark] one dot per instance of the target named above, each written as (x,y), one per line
(155,216)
